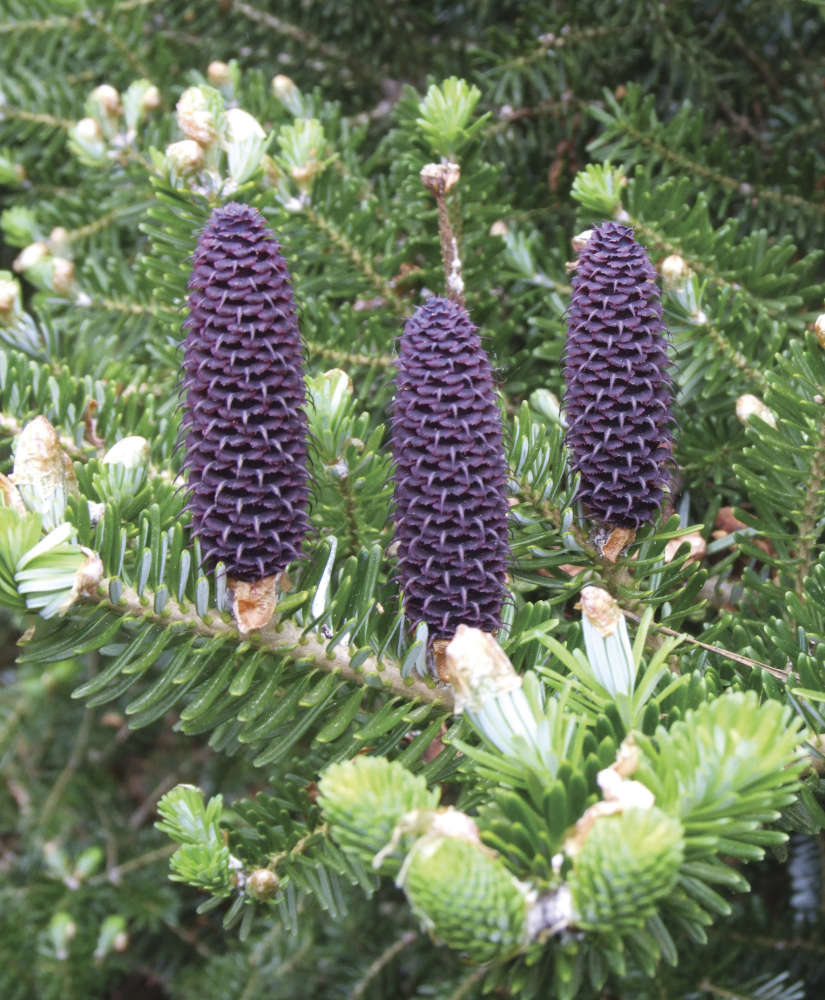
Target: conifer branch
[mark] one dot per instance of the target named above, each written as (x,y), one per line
(736,358)
(122,306)
(381,962)
(59,787)
(743,188)
(508,115)
(718,991)
(349,358)
(781,944)
(566,37)
(103,222)
(651,236)
(115,873)
(467,984)
(304,38)
(282,639)
(783,675)
(810,513)
(328,228)
(56,22)
(38,117)
(140,67)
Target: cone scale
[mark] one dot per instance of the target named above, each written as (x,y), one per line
(244,422)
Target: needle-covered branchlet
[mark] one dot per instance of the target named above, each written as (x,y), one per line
(451,506)
(244,419)
(618,391)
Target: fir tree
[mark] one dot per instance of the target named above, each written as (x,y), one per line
(616,795)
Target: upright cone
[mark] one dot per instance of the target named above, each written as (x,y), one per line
(618,390)
(451,478)
(245,426)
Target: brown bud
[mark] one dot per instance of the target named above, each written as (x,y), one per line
(440,177)
(262,884)
(253,602)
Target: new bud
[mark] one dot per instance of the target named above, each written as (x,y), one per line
(195,118)
(748,406)
(185,157)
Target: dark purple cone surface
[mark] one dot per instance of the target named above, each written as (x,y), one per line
(451,508)
(244,420)
(618,388)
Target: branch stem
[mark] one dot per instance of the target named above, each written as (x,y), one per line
(284,639)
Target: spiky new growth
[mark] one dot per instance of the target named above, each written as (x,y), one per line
(244,419)
(450,474)
(618,390)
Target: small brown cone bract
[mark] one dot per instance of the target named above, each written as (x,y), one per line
(244,420)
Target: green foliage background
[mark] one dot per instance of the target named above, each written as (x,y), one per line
(700,125)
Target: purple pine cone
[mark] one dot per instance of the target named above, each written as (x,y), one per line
(618,391)
(451,508)
(244,420)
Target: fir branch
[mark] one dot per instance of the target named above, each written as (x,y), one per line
(467,984)
(298,848)
(99,20)
(54,23)
(59,787)
(57,22)
(349,358)
(104,221)
(781,944)
(564,39)
(284,639)
(783,675)
(304,38)
(733,184)
(122,306)
(38,117)
(550,107)
(250,990)
(114,873)
(809,517)
(717,991)
(381,962)
(651,236)
(736,358)
(340,240)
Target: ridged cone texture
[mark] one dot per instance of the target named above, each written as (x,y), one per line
(363,800)
(451,506)
(628,862)
(618,391)
(466,898)
(244,422)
